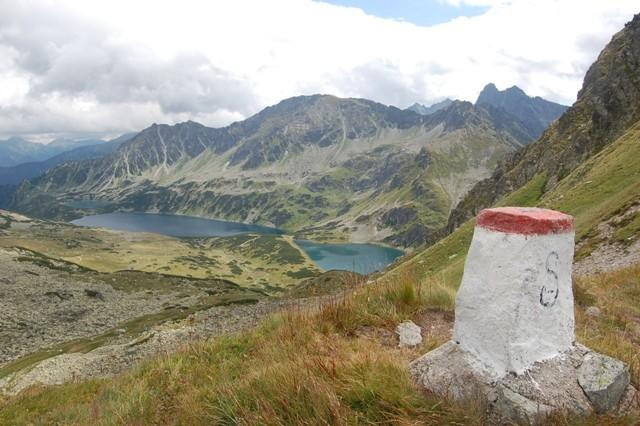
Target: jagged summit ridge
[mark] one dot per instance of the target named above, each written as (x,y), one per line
(426,110)
(607,105)
(534,112)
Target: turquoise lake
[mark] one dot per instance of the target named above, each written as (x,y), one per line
(362,258)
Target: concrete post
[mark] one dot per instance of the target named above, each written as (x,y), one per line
(515,303)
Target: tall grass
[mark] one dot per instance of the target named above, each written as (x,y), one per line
(386,302)
(616,331)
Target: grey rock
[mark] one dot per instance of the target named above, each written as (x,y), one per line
(409,334)
(513,406)
(578,381)
(448,371)
(604,380)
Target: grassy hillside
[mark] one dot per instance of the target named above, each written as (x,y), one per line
(599,190)
(336,365)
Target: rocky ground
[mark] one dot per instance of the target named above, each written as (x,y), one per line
(126,351)
(612,251)
(58,325)
(609,257)
(40,307)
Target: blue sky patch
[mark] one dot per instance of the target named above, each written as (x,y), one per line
(419,12)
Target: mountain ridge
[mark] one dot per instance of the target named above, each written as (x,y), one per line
(17,150)
(426,110)
(607,104)
(534,112)
(15,174)
(315,165)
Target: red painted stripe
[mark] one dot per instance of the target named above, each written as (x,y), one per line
(525,221)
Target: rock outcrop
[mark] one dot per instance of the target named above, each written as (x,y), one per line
(577,381)
(604,380)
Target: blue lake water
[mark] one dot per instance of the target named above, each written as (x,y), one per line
(362,258)
(172,225)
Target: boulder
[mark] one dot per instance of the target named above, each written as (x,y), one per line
(604,380)
(578,381)
(448,371)
(409,334)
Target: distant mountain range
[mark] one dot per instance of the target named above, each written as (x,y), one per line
(426,110)
(534,114)
(14,151)
(319,166)
(16,174)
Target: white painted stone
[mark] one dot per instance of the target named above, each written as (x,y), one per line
(515,303)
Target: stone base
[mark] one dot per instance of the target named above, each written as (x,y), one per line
(579,381)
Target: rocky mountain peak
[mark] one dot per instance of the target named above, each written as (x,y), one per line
(489,91)
(535,113)
(607,105)
(426,110)
(501,98)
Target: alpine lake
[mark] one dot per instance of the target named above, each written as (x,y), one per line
(361,258)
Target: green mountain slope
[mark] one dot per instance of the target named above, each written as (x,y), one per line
(605,188)
(586,164)
(607,105)
(318,166)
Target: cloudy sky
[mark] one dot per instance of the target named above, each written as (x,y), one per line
(100,68)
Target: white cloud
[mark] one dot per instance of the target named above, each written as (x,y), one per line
(80,66)
(459,3)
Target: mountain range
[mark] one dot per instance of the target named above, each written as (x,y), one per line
(322,167)
(15,174)
(426,110)
(16,150)
(585,164)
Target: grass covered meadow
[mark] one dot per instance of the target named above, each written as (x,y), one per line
(335,364)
